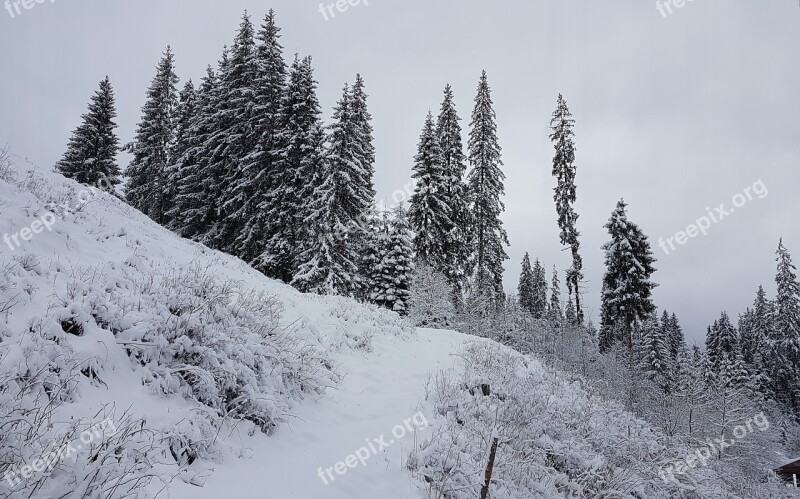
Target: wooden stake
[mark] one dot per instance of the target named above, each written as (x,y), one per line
(489,467)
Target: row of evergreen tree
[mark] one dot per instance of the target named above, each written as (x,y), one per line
(244,164)
(532,294)
(748,366)
(761,357)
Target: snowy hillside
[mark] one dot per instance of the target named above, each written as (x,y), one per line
(169,369)
(106,316)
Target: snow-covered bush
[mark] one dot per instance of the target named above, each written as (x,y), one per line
(556,440)
(40,373)
(430,303)
(356,324)
(207,338)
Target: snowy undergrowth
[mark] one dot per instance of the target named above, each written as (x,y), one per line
(555,439)
(109,317)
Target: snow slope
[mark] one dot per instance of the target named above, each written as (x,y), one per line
(380,390)
(223,383)
(84,278)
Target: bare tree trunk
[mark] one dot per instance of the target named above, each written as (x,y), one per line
(489,467)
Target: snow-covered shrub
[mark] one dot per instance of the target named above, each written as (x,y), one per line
(7,172)
(356,324)
(40,372)
(556,440)
(430,303)
(209,339)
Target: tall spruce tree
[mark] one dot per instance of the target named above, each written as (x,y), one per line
(786,331)
(285,207)
(337,210)
(193,210)
(485,182)
(526,288)
(757,345)
(236,138)
(570,315)
(364,154)
(655,352)
(674,334)
(554,312)
(379,246)
(627,288)
(186,114)
(454,166)
(363,150)
(155,138)
(722,345)
(399,261)
(91,154)
(539,290)
(429,213)
(261,163)
(564,171)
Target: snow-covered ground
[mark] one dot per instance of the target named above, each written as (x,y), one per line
(84,278)
(223,383)
(381,390)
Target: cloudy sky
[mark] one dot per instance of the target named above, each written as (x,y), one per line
(676,113)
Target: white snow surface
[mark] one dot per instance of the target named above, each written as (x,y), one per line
(381,389)
(337,379)
(378,365)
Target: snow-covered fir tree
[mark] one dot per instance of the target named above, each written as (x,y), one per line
(390,257)
(454,166)
(654,354)
(92,149)
(554,312)
(285,207)
(539,290)
(193,210)
(429,213)
(339,206)
(364,150)
(564,171)
(674,334)
(364,155)
(755,339)
(525,288)
(185,117)
(377,233)
(261,164)
(761,325)
(399,261)
(146,189)
(235,139)
(570,314)
(786,331)
(627,288)
(486,188)
(722,345)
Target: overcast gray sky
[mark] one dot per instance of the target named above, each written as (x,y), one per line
(675,112)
